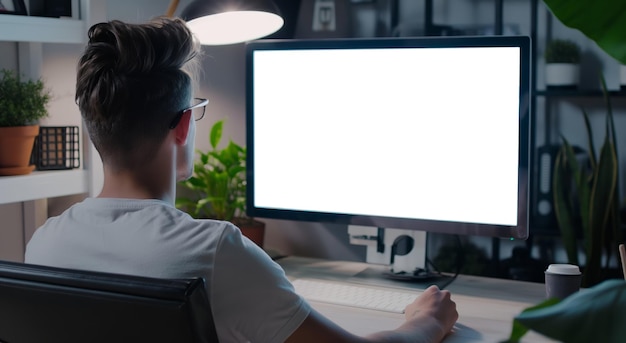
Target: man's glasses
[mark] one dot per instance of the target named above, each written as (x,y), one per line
(197,111)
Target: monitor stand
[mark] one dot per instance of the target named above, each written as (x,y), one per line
(404,251)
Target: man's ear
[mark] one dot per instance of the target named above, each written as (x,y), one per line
(182,129)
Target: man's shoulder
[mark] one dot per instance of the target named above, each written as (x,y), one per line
(129,215)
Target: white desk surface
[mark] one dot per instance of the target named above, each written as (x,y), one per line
(486,306)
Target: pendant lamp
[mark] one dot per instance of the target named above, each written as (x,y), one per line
(220,22)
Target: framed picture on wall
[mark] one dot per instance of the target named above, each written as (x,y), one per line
(12,7)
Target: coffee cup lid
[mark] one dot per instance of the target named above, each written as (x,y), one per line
(567,269)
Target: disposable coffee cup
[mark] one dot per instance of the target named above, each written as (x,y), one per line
(562,280)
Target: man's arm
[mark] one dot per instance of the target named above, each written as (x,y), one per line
(428,319)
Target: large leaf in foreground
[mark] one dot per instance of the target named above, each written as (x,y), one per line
(595,314)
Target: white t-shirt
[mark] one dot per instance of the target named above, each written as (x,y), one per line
(250,296)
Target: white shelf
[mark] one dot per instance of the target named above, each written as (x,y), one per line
(19,28)
(43,184)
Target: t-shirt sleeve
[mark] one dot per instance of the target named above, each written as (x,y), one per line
(251,297)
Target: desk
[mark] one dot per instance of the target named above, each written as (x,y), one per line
(486,306)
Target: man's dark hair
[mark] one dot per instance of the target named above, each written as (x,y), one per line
(132,81)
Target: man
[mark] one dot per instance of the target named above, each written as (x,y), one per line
(134,89)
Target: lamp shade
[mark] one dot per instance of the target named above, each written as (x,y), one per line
(218,22)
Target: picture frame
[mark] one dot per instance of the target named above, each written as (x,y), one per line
(17,7)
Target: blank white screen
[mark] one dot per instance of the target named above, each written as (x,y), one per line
(408,133)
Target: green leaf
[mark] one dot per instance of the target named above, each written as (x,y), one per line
(614,233)
(603,191)
(204,158)
(235,171)
(592,148)
(216,133)
(581,179)
(519,330)
(563,208)
(610,124)
(603,21)
(594,314)
(195,183)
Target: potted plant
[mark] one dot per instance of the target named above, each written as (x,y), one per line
(562,63)
(22,104)
(586,201)
(218,186)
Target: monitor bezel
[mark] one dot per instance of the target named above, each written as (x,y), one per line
(520,231)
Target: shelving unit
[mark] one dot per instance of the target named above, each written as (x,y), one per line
(545,224)
(32,32)
(23,197)
(18,28)
(43,184)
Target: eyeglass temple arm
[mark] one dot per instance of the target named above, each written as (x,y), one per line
(172,8)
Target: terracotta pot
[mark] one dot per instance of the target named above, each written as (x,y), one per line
(253,229)
(16,146)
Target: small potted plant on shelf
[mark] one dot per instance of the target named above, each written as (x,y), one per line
(22,105)
(218,186)
(562,63)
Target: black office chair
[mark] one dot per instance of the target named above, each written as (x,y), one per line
(46,304)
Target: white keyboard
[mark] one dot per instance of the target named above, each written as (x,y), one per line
(340,293)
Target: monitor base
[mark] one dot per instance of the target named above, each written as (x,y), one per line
(418,275)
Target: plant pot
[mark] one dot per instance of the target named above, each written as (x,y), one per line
(562,75)
(16,146)
(253,229)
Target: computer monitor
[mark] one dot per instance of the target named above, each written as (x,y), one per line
(427,133)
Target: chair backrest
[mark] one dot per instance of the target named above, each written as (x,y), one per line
(47,304)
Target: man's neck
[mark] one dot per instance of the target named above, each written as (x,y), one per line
(138,185)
